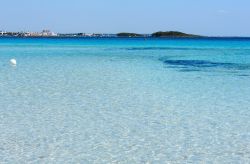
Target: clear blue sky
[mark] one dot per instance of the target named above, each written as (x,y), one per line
(207,17)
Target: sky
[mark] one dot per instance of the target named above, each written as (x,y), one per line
(203,17)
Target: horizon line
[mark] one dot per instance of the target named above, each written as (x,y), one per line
(112,33)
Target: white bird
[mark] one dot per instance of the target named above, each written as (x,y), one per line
(13,62)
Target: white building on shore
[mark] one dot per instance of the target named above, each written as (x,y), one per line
(48,33)
(2,32)
(45,33)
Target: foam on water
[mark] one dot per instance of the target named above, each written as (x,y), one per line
(120,100)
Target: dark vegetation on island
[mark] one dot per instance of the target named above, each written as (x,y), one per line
(125,34)
(172,34)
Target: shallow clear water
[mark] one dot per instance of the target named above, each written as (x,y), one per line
(125,101)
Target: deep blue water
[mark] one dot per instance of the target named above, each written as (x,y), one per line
(125,100)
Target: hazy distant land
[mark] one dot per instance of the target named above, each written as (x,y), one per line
(175,34)
(48,33)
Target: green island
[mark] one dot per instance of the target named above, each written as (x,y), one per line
(125,34)
(172,34)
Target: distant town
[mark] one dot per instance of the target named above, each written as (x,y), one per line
(48,33)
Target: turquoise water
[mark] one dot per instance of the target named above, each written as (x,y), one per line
(125,101)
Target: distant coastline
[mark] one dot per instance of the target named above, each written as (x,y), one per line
(48,33)
(160,34)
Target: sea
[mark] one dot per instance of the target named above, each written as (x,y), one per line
(125,100)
